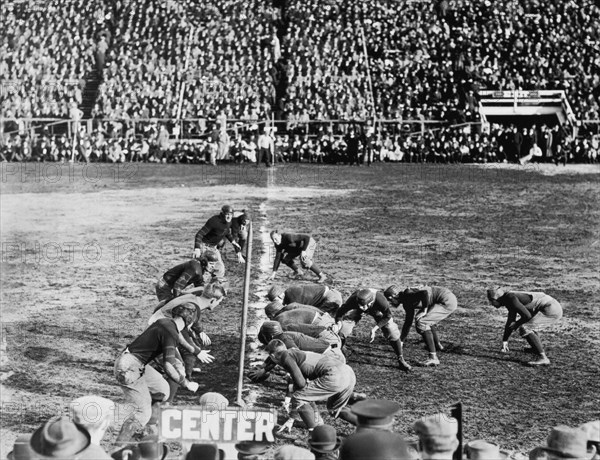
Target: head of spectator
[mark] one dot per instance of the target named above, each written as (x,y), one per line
(251,450)
(437,436)
(215,293)
(382,445)
(324,440)
(203,452)
(272,308)
(293,453)
(59,437)
(565,442)
(375,414)
(483,450)
(592,430)
(276,293)
(94,413)
(213,401)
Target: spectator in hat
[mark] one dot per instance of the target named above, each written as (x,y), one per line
(252,450)
(324,442)
(204,451)
(147,449)
(592,430)
(374,444)
(565,442)
(427,305)
(483,450)
(293,453)
(375,414)
(437,436)
(373,303)
(535,310)
(94,413)
(58,437)
(318,295)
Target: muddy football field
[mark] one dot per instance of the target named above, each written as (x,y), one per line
(83,246)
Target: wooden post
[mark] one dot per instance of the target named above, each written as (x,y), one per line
(244,324)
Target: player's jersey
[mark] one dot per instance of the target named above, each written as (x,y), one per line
(214,230)
(161,337)
(184,274)
(307,294)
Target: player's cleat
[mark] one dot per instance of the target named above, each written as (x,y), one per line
(404,366)
(322,278)
(431,362)
(540,362)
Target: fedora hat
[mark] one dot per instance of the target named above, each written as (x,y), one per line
(479,449)
(203,452)
(59,437)
(324,439)
(252,447)
(565,442)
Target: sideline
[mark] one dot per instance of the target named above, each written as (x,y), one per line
(256,355)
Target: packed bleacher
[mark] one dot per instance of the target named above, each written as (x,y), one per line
(218,63)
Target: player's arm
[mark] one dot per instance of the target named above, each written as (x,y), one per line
(277,261)
(408,320)
(509,326)
(200,235)
(289,364)
(183,280)
(513,304)
(345,308)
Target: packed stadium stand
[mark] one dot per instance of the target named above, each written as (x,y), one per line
(155,80)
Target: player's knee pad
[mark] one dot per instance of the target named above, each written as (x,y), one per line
(422,327)
(391,332)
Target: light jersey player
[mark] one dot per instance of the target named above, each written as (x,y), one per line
(427,306)
(535,310)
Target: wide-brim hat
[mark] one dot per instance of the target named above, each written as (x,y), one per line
(319,446)
(252,447)
(167,309)
(483,450)
(59,437)
(566,442)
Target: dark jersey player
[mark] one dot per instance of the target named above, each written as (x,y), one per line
(192,272)
(374,304)
(210,235)
(293,247)
(317,295)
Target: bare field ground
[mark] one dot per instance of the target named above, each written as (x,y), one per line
(83,246)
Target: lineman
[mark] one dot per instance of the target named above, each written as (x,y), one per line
(373,303)
(317,295)
(139,381)
(535,310)
(427,305)
(292,246)
(315,377)
(210,235)
(194,271)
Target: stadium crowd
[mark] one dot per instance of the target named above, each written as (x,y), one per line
(356,146)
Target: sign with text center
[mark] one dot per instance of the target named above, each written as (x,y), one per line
(216,425)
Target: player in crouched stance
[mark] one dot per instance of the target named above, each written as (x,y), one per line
(427,306)
(315,377)
(535,310)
